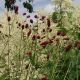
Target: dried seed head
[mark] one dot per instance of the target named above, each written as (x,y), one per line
(31,21)
(28,16)
(19,24)
(27,66)
(35,16)
(43,17)
(43,30)
(50,30)
(24,14)
(28,34)
(43,37)
(38,37)
(0,31)
(9,18)
(0,25)
(26,26)
(29,53)
(34,37)
(22,27)
(16,9)
(48,23)
(48,56)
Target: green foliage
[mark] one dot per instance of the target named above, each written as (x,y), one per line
(28,6)
(57,58)
(56,17)
(4,76)
(9,4)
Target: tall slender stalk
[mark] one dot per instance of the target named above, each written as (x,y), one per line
(9,49)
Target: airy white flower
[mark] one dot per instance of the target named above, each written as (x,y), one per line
(65,3)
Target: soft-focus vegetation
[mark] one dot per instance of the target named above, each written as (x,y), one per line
(42,48)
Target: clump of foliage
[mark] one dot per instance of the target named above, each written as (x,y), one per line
(10,5)
(46,50)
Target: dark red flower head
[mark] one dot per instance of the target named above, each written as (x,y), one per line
(44,44)
(34,37)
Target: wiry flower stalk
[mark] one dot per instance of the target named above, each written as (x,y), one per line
(9,19)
